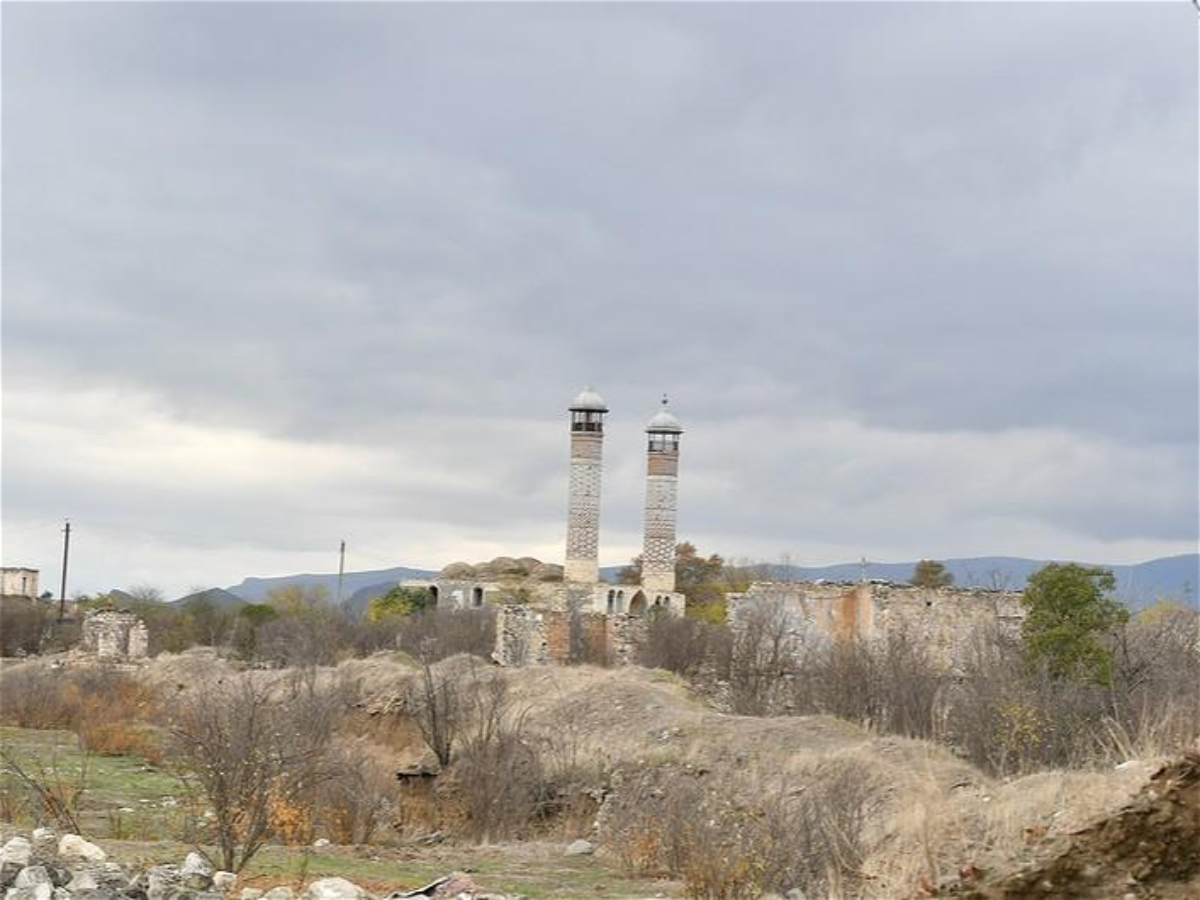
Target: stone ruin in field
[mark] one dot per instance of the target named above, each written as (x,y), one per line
(115,634)
(545,612)
(941,619)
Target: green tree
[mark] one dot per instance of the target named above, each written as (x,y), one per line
(399,601)
(929,573)
(1069,620)
(249,619)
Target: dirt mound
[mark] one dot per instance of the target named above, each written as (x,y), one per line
(1148,849)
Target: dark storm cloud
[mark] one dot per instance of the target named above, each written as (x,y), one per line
(415,230)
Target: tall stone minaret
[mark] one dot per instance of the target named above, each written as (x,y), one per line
(662,477)
(583,515)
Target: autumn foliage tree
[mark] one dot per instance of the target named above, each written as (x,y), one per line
(702,579)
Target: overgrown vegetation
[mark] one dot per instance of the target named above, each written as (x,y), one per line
(807,832)
(1005,706)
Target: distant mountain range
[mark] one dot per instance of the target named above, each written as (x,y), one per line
(254,590)
(1175,577)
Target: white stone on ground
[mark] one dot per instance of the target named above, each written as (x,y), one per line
(72,846)
(82,880)
(581,848)
(334,889)
(224,881)
(195,864)
(17,851)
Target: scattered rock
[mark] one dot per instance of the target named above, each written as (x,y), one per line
(82,880)
(581,848)
(196,872)
(73,847)
(32,883)
(334,889)
(224,881)
(32,875)
(279,893)
(17,851)
(250,894)
(44,841)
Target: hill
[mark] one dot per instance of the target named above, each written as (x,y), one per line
(214,597)
(254,589)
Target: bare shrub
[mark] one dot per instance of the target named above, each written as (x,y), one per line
(32,696)
(892,685)
(109,711)
(1009,719)
(762,658)
(499,773)
(575,779)
(680,644)
(806,834)
(587,637)
(357,796)
(435,703)
(439,633)
(259,750)
(316,636)
(24,626)
(1156,682)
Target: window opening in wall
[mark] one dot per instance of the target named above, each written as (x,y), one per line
(477,596)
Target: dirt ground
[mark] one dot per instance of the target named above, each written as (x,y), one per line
(945,827)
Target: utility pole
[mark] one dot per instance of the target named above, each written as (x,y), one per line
(341,571)
(62,596)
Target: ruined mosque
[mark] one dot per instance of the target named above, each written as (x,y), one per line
(542,608)
(536,601)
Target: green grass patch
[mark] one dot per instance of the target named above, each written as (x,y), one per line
(116,797)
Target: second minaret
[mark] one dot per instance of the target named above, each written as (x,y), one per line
(662,478)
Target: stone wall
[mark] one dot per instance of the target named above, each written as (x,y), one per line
(115,634)
(521,636)
(528,636)
(941,619)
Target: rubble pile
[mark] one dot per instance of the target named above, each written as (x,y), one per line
(46,866)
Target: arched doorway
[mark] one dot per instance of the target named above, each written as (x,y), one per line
(637,604)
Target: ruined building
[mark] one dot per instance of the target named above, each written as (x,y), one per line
(18,581)
(539,604)
(114,635)
(940,619)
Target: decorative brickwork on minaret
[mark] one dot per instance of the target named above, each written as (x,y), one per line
(583,516)
(662,479)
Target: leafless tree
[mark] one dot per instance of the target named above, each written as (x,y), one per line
(253,744)
(763,657)
(434,700)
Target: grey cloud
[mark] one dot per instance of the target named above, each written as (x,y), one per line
(421,228)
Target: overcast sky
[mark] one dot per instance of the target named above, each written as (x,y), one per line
(920,280)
